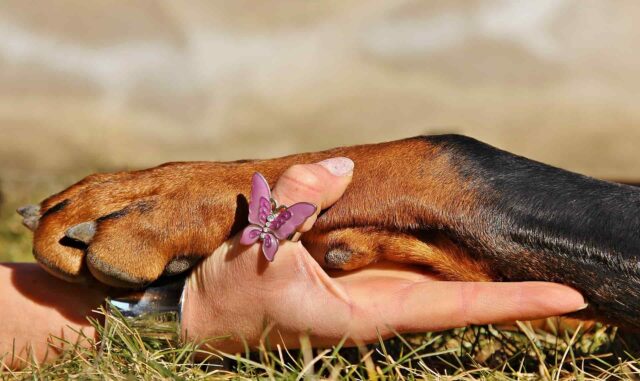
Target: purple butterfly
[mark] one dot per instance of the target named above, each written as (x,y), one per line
(269,222)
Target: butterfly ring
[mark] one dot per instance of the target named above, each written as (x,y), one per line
(270,222)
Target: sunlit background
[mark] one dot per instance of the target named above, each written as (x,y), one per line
(102,85)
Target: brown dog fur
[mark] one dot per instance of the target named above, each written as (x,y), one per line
(466,210)
(188,209)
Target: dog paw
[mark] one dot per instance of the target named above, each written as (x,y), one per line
(127,229)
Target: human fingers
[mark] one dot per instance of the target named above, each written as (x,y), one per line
(406,306)
(321,184)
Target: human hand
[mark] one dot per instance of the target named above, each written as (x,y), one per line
(236,292)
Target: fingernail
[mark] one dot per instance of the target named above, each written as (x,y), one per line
(584,307)
(338,166)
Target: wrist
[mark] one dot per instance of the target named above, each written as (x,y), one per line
(215,311)
(202,320)
(190,311)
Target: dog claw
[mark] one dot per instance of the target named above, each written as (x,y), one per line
(83,232)
(29,211)
(31,222)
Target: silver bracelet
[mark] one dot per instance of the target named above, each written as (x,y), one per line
(154,312)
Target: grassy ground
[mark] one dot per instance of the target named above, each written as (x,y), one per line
(462,354)
(519,352)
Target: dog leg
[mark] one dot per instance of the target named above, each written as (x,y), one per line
(352,248)
(521,219)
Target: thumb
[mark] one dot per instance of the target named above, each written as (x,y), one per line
(321,184)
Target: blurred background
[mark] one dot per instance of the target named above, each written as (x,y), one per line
(106,85)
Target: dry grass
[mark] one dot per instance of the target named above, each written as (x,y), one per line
(475,353)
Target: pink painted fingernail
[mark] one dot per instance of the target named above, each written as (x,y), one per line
(338,166)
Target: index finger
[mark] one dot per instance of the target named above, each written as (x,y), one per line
(432,306)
